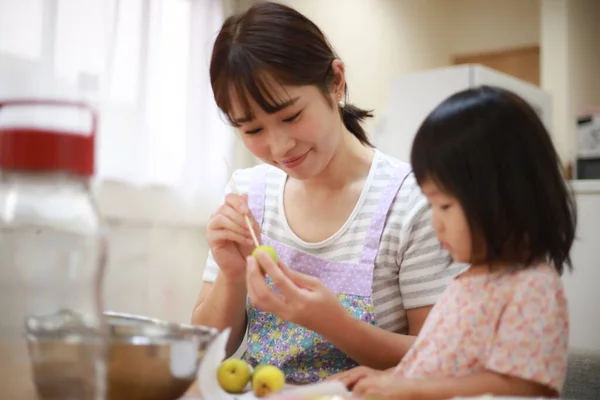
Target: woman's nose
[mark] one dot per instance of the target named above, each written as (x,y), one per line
(281,144)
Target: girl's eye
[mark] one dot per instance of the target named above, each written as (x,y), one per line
(253,131)
(445,207)
(293,117)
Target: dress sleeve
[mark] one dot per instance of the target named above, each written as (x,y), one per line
(531,340)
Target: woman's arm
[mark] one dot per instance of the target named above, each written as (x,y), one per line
(388,348)
(368,345)
(424,272)
(220,305)
(222,300)
(416,317)
(390,387)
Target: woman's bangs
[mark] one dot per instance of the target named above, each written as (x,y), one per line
(248,82)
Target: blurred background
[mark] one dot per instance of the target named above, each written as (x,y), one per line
(144,65)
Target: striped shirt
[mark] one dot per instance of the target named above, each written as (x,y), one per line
(411,269)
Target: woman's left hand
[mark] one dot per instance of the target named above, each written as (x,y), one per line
(302,299)
(385,387)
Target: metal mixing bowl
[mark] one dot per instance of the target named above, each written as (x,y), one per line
(150,359)
(146,358)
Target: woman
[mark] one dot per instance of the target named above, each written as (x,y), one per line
(360,266)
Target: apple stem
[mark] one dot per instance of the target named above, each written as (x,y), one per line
(237,190)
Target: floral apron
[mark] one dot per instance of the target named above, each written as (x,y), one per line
(303,355)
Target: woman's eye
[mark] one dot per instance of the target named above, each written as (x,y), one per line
(445,207)
(253,131)
(293,117)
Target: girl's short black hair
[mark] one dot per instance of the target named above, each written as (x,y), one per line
(488,148)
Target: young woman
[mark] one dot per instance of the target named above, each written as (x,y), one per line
(350,224)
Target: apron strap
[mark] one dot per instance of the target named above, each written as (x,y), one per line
(375,231)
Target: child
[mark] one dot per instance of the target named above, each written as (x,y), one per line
(492,176)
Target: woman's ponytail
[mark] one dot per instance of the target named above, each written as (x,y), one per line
(353,117)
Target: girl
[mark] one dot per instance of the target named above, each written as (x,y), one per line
(491,174)
(348,221)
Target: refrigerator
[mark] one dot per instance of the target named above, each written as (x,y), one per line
(412,97)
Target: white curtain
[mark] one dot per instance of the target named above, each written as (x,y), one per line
(144,65)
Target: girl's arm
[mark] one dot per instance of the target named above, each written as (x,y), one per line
(391,387)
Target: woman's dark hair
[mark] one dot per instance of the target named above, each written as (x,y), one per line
(272,43)
(488,148)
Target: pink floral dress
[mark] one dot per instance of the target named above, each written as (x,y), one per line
(513,323)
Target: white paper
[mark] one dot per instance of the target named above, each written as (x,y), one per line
(183,358)
(207,373)
(328,388)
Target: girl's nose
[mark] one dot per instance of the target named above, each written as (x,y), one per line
(436,224)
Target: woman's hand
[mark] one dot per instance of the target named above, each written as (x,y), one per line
(386,386)
(304,300)
(229,238)
(352,376)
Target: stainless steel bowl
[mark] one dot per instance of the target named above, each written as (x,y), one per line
(150,359)
(147,359)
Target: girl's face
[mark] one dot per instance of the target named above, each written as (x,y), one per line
(449,222)
(299,138)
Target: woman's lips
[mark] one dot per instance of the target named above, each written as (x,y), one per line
(295,161)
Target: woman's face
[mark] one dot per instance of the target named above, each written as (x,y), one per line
(299,138)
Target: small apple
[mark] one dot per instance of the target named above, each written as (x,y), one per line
(258,368)
(267,249)
(233,375)
(267,379)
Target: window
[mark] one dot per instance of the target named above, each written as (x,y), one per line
(144,65)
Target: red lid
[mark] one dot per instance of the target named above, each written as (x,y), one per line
(47,149)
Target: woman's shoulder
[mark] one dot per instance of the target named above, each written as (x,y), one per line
(389,168)
(389,163)
(409,200)
(245,176)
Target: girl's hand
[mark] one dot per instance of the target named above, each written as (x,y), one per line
(229,238)
(385,386)
(304,300)
(352,376)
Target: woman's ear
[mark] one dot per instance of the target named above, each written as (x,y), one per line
(339,79)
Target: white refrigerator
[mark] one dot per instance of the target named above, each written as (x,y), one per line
(413,96)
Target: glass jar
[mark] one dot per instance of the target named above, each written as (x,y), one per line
(52,254)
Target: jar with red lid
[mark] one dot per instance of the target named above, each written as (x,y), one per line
(52,254)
